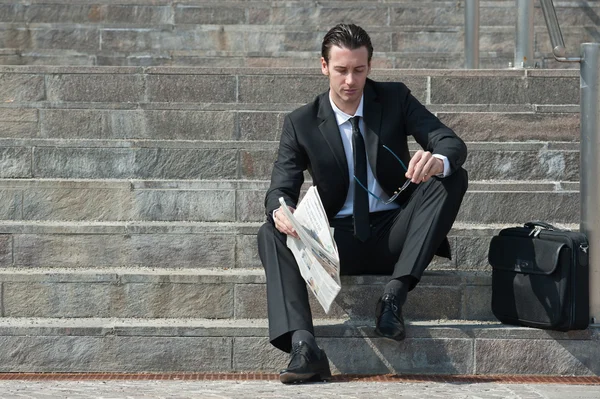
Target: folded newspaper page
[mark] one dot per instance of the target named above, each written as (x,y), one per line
(316,252)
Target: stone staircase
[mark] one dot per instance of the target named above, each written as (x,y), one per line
(132,196)
(267,33)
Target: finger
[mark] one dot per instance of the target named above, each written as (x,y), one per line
(420,168)
(428,170)
(283,224)
(413,161)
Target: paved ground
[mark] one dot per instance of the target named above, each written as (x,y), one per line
(273,389)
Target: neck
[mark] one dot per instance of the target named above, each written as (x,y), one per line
(347,108)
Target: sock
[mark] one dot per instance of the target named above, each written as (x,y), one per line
(399,287)
(306,336)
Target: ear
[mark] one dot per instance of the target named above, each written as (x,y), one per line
(369,68)
(324,67)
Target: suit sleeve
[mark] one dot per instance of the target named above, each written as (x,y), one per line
(288,171)
(430,132)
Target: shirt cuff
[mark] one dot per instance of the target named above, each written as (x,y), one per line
(446,165)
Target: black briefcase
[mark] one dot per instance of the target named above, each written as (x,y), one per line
(540,277)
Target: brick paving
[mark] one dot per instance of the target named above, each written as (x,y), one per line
(237,389)
(234,386)
(455,379)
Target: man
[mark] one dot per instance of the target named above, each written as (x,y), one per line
(391,212)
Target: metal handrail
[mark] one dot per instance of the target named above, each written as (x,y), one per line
(556,38)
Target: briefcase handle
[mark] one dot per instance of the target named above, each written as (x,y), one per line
(536,223)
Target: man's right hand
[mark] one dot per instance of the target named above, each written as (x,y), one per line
(282,223)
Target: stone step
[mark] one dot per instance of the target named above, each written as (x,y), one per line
(120,45)
(177,88)
(176,128)
(248,160)
(284,59)
(243,201)
(262,12)
(189,245)
(284,26)
(194,345)
(222,294)
(44,125)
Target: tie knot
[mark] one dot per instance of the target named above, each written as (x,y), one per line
(354,122)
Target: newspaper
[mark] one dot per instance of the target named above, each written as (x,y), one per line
(316,252)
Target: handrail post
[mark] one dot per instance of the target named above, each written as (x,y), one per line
(590,166)
(524,35)
(472,34)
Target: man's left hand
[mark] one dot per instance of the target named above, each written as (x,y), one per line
(423,165)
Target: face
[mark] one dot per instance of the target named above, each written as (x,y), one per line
(347,71)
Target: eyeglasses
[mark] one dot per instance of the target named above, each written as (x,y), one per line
(397,192)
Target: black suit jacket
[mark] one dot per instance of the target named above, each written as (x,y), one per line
(311,141)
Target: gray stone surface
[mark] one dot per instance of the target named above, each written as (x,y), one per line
(185,125)
(247,251)
(179,205)
(21,87)
(108,299)
(124,353)
(516,165)
(11,203)
(182,250)
(500,207)
(427,356)
(111,88)
(6,250)
(209,15)
(430,348)
(185,244)
(49,353)
(471,252)
(191,88)
(96,13)
(83,163)
(70,250)
(144,163)
(280,89)
(77,204)
(358,302)
(477,303)
(483,126)
(478,90)
(18,123)
(165,293)
(553,357)
(15,162)
(260,125)
(257,354)
(158,163)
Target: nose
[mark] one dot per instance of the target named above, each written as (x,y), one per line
(349,79)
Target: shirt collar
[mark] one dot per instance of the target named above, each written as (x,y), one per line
(340,116)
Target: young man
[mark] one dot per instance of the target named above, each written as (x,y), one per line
(391,212)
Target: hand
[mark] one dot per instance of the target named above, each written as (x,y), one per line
(282,223)
(422,166)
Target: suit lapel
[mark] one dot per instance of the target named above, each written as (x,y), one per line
(331,132)
(372,117)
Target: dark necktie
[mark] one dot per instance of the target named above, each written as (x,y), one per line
(362,230)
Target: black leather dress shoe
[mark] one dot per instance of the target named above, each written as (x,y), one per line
(389,323)
(306,365)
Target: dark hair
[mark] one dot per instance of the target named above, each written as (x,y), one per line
(348,36)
